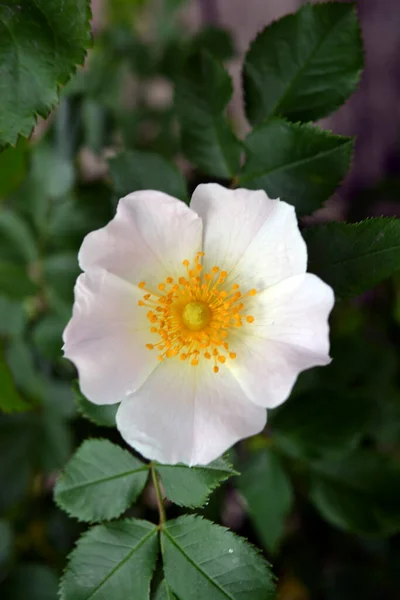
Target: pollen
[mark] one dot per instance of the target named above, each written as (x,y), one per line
(194,315)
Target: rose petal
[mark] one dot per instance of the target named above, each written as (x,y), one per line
(255,239)
(188,414)
(290,333)
(149,237)
(107,336)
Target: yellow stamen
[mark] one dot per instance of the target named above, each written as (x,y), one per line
(195,314)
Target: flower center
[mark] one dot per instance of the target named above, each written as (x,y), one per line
(192,317)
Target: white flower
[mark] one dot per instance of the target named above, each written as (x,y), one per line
(196,319)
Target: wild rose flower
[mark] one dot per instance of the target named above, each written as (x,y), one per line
(196,319)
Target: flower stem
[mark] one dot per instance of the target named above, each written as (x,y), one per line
(160,504)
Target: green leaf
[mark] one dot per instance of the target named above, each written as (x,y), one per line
(12,168)
(33,73)
(269,496)
(163,592)
(192,486)
(99,415)
(141,170)
(10,400)
(203,560)
(12,318)
(60,271)
(33,581)
(354,257)
(16,232)
(321,422)
(203,91)
(359,493)
(100,481)
(54,444)
(300,164)
(15,282)
(114,561)
(215,41)
(17,442)
(47,336)
(305,65)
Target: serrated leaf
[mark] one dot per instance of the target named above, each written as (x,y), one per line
(305,65)
(141,170)
(300,164)
(102,415)
(112,561)
(359,493)
(100,481)
(33,581)
(10,399)
(354,257)
(311,425)
(192,486)
(269,495)
(203,560)
(202,93)
(33,72)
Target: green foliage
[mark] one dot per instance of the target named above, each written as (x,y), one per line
(6,543)
(297,163)
(163,592)
(103,415)
(139,170)
(12,168)
(33,72)
(305,65)
(100,482)
(33,581)
(312,424)
(10,399)
(353,257)
(18,235)
(268,492)
(112,560)
(203,90)
(203,560)
(359,492)
(192,486)
(15,282)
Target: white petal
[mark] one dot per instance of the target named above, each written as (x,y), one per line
(150,236)
(255,239)
(106,337)
(290,334)
(188,414)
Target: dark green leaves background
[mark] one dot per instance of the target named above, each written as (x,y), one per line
(318,492)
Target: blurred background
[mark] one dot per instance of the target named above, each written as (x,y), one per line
(56,188)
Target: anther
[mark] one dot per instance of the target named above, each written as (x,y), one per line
(250,319)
